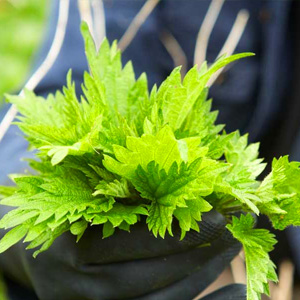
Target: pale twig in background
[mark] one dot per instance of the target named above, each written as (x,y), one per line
(99,22)
(136,23)
(175,51)
(238,269)
(40,73)
(284,289)
(206,30)
(236,33)
(92,12)
(85,11)
(232,39)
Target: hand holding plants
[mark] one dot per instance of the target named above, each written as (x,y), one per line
(122,156)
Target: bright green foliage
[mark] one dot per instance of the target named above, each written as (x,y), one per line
(50,204)
(21,31)
(122,155)
(280,192)
(257,243)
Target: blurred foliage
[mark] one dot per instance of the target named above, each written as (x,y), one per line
(21,28)
(3,290)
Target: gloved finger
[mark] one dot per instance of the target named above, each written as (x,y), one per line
(212,266)
(229,292)
(140,243)
(148,278)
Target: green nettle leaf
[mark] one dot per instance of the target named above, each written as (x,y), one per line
(167,191)
(6,191)
(280,192)
(115,188)
(120,154)
(78,228)
(162,148)
(12,237)
(257,244)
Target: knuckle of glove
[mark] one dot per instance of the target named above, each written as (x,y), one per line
(212,226)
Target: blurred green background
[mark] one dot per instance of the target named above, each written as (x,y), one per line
(21,28)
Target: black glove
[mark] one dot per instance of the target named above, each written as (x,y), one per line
(132,265)
(230,292)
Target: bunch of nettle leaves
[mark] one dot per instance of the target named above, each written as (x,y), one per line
(120,153)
